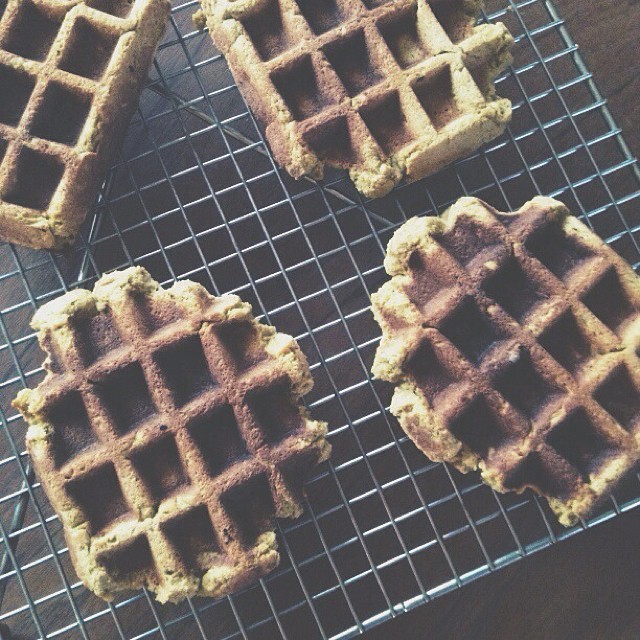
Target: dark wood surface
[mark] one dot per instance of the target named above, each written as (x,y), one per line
(608,34)
(588,587)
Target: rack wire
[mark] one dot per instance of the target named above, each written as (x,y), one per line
(195,194)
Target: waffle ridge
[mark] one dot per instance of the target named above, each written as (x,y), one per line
(514,341)
(383,89)
(71,73)
(167,434)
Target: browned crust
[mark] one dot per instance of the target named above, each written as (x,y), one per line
(415,310)
(185,312)
(115,97)
(374,166)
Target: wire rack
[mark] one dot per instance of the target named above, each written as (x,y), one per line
(196,195)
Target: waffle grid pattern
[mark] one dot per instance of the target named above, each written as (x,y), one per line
(380,88)
(185,439)
(504,330)
(68,71)
(195,196)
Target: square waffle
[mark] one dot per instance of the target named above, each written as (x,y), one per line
(514,342)
(382,88)
(70,77)
(167,433)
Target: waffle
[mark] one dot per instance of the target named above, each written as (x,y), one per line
(513,340)
(71,73)
(167,433)
(382,88)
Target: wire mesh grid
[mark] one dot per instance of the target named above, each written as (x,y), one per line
(196,195)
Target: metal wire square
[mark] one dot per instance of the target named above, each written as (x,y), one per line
(195,194)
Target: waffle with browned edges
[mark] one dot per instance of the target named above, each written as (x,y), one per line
(513,341)
(167,434)
(382,88)
(71,73)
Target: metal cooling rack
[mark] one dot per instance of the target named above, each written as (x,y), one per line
(195,194)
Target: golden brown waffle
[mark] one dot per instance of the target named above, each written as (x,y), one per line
(513,340)
(71,72)
(167,434)
(382,88)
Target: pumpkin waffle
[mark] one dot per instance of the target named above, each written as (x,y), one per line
(167,433)
(514,342)
(70,77)
(382,88)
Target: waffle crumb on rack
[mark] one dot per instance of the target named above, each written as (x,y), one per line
(199,20)
(70,77)
(383,89)
(514,342)
(167,434)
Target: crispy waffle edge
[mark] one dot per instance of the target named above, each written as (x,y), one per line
(376,170)
(425,426)
(85,547)
(115,97)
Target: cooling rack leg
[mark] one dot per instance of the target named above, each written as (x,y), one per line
(240,137)
(94,231)
(17,520)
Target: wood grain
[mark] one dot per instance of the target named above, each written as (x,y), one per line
(585,588)
(608,34)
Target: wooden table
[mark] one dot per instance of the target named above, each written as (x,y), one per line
(589,587)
